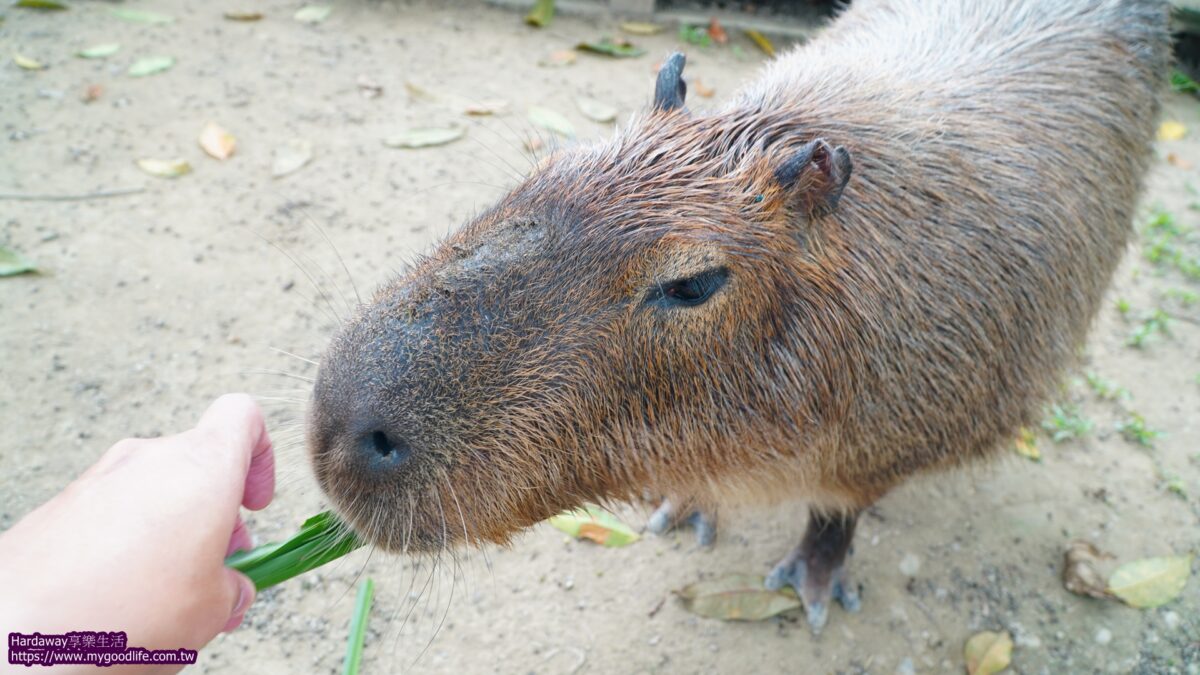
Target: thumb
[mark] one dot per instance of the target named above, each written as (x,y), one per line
(240,593)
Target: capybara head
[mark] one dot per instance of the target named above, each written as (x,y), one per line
(623,320)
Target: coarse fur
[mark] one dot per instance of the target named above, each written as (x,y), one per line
(530,364)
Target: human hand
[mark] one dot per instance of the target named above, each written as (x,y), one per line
(138,542)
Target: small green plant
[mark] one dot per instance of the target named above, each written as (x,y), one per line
(695,35)
(1105,388)
(1064,422)
(1175,484)
(1163,222)
(1184,297)
(1123,307)
(1155,323)
(1135,430)
(1180,82)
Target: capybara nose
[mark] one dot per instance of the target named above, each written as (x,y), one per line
(383,450)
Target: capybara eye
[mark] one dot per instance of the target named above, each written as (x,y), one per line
(690,291)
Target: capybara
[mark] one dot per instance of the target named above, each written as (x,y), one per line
(875,261)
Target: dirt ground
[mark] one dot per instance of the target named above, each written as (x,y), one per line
(151,304)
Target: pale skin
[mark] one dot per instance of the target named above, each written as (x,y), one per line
(138,542)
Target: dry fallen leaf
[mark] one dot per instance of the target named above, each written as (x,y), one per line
(1170,130)
(595,524)
(1152,581)
(607,46)
(165,168)
(424,138)
(597,111)
(27,63)
(93,92)
(151,65)
(739,597)
(988,653)
(243,16)
(312,13)
(533,144)
(761,40)
(140,16)
(368,88)
(562,57)
(418,92)
(1177,161)
(99,51)
(40,4)
(291,157)
(486,107)
(640,28)
(1026,444)
(217,142)
(700,88)
(551,120)
(1081,574)
(717,32)
(13,263)
(541,14)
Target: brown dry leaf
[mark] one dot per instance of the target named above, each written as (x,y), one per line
(562,57)
(1081,574)
(739,597)
(988,653)
(641,28)
(1171,130)
(217,142)
(93,92)
(243,16)
(368,88)
(1177,161)
(487,107)
(717,32)
(703,90)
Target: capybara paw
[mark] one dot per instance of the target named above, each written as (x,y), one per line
(815,586)
(668,517)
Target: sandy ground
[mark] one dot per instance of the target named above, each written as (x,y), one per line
(152,304)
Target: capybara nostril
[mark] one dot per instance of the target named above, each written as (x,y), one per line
(389,449)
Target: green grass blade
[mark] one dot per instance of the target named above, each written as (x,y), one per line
(322,538)
(358,627)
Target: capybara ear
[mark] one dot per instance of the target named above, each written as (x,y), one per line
(669,89)
(815,176)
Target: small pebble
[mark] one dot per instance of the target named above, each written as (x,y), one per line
(1171,620)
(1103,636)
(906,667)
(1028,641)
(910,564)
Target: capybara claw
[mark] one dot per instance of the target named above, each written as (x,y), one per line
(668,517)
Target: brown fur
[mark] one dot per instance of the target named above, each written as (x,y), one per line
(998,152)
